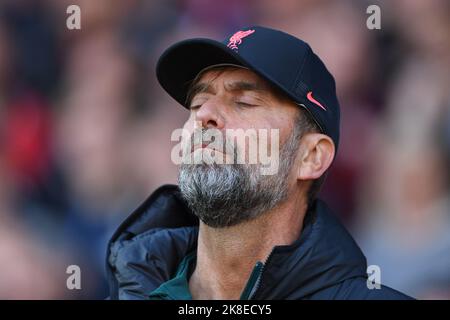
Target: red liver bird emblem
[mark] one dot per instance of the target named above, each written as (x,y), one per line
(236,39)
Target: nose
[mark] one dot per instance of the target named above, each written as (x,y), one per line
(210,114)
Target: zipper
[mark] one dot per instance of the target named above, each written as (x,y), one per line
(257,283)
(254,276)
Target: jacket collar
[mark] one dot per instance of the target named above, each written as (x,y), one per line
(148,246)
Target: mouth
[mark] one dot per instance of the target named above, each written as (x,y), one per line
(215,152)
(203,146)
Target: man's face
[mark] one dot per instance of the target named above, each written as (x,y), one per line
(237,98)
(227,194)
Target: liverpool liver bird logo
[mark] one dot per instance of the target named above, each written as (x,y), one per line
(236,39)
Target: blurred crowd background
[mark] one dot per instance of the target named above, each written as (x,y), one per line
(85,129)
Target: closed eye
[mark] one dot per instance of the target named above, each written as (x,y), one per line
(244,104)
(195,107)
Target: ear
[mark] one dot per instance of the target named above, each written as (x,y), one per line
(316,155)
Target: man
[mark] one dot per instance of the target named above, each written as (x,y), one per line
(229,231)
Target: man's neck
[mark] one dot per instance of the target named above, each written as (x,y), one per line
(227,256)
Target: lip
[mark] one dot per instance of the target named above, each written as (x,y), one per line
(205,146)
(202,146)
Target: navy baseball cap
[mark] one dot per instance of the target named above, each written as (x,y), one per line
(286,62)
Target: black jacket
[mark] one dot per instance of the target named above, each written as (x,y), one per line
(324,263)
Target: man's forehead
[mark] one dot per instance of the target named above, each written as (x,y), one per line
(230,74)
(232,77)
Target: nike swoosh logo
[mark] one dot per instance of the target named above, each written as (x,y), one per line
(310,98)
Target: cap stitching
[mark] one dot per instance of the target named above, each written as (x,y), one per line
(299,71)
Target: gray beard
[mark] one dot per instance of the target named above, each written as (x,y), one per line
(228,194)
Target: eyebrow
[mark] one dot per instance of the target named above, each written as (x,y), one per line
(204,87)
(244,86)
(199,87)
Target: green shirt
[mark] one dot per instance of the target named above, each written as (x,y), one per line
(177,288)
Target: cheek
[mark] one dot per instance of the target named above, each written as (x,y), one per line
(285,125)
(276,126)
(188,125)
(191,123)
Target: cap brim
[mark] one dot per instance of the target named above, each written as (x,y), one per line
(181,63)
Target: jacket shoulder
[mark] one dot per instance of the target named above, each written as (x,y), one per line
(357,289)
